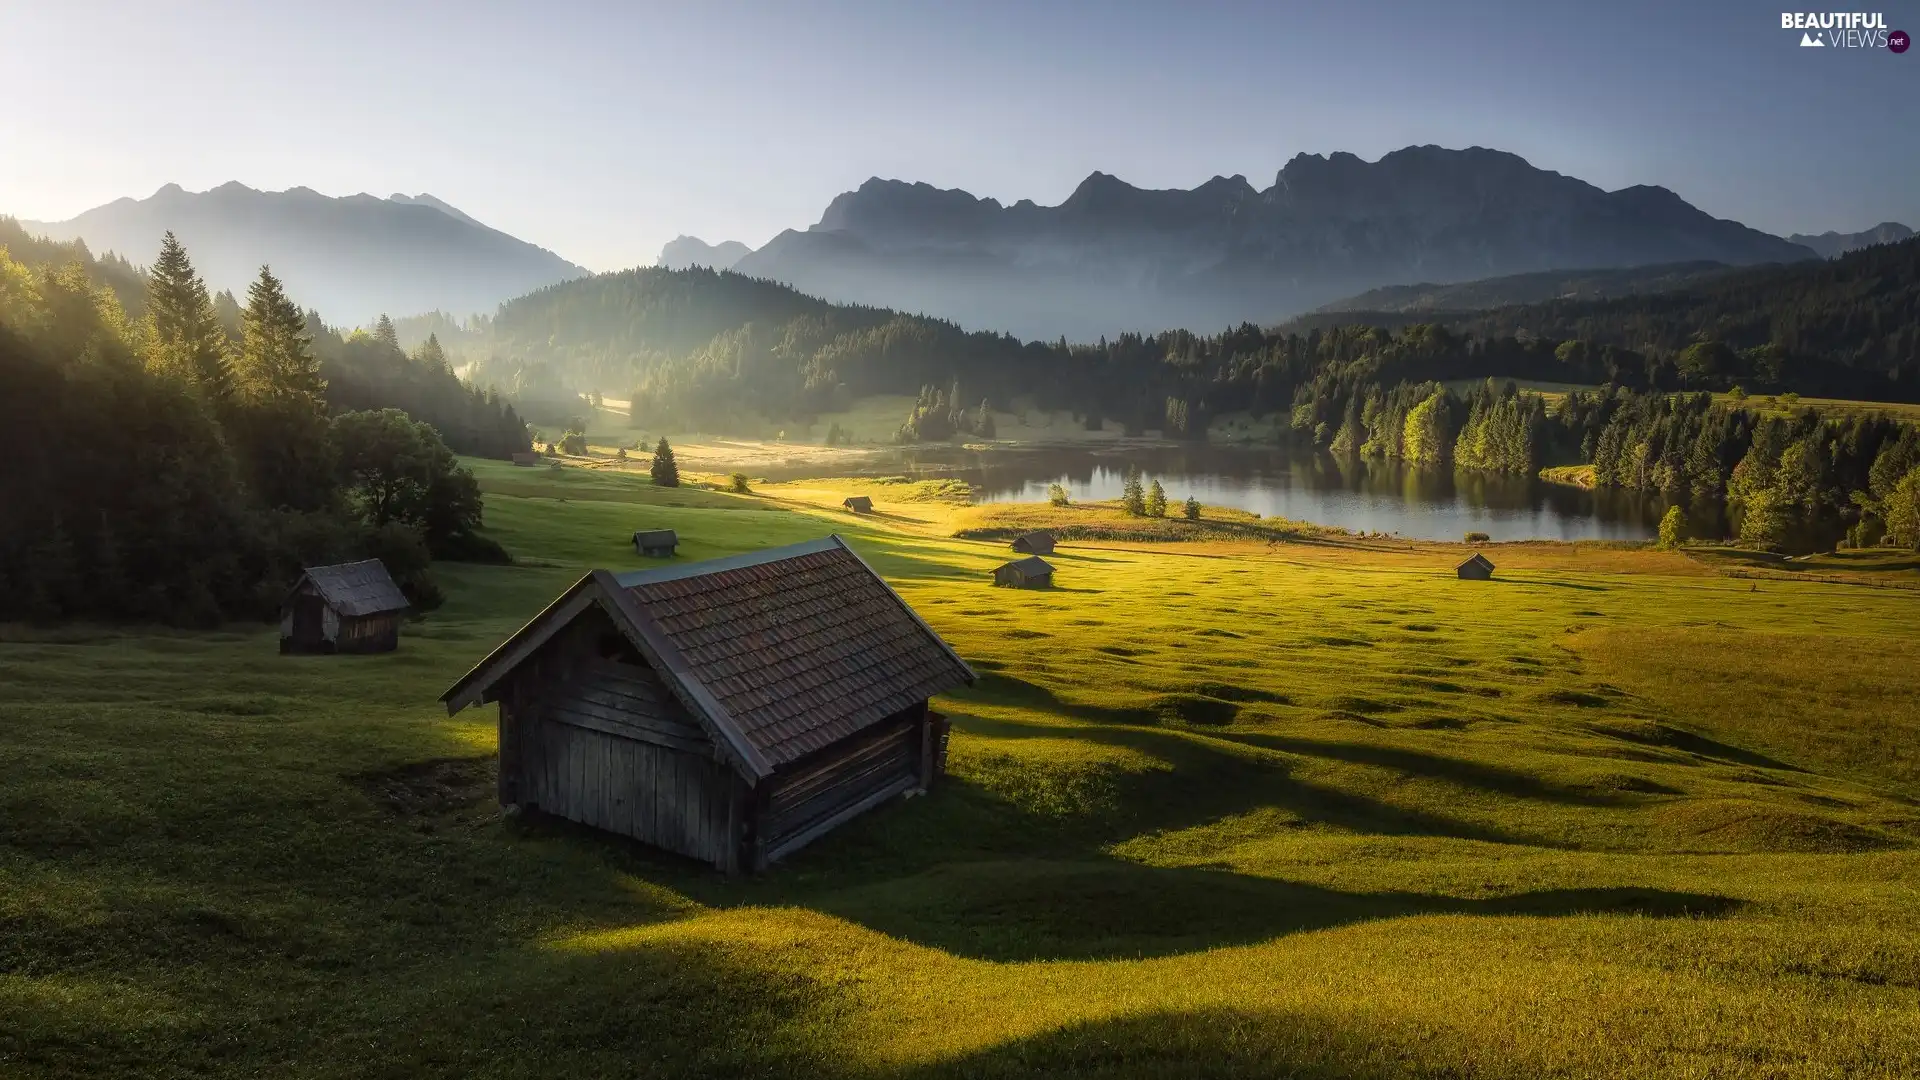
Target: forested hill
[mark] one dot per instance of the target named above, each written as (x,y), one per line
(702,343)
(705,345)
(361,370)
(1847,327)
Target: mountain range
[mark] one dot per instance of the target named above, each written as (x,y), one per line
(1111,257)
(1116,257)
(1829,245)
(352,258)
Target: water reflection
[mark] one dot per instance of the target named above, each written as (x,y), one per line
(1356,494)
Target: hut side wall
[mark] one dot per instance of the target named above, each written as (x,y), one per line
(371,634)
(817,794)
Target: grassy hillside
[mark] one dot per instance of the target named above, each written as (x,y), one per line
(1315,809)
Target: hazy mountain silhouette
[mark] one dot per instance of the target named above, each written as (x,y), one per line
(1535,288)
(352,258)
(686,252)
(1831,244)
(1114,257)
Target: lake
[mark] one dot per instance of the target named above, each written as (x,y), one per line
(1370,495)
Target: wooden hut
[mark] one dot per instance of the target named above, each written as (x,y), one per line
(1032,572)
(731,710)
(858,504)
(529,457)
(1478,568)
(658,543)
(351,607)
(1034,543)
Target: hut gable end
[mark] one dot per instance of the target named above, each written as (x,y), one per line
(1477,568)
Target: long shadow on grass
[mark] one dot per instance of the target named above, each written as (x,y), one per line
(1111,909)
(1511,583)
(1439,766)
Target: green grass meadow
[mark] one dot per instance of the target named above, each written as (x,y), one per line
(1300,809)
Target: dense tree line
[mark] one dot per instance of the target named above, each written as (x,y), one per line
(1858,477)
(368,370)
(160,467)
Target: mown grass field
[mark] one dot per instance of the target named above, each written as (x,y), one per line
(1215,808)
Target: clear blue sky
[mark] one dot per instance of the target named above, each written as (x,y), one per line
(601,130)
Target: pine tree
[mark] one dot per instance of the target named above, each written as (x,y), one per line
(276,354)
(431,356)
(185,330)
(1156,501)
(386,335)
(1193,509)
(1131,495)
(665,472)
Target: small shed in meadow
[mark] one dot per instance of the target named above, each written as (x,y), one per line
(732,710)
(1034,543)
(658,543)
(1032,572)
(527,457)
(1478,568)
(349,607)
(858,504)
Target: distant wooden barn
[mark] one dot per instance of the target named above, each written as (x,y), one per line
(527,458)
(732,710)
(350,607)
(1032,572)
(1478,568)
(859,504)
(658,543)
(1034,543)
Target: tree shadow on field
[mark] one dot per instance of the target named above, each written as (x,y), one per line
(1210,778)
(1209,1043)
(996,866)
(1106,909)
(585,1007)
(1462,771)
(1517,584)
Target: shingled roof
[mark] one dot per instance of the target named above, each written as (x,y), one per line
(1032,566)
(777,652)
(357,589)
(1034,543)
